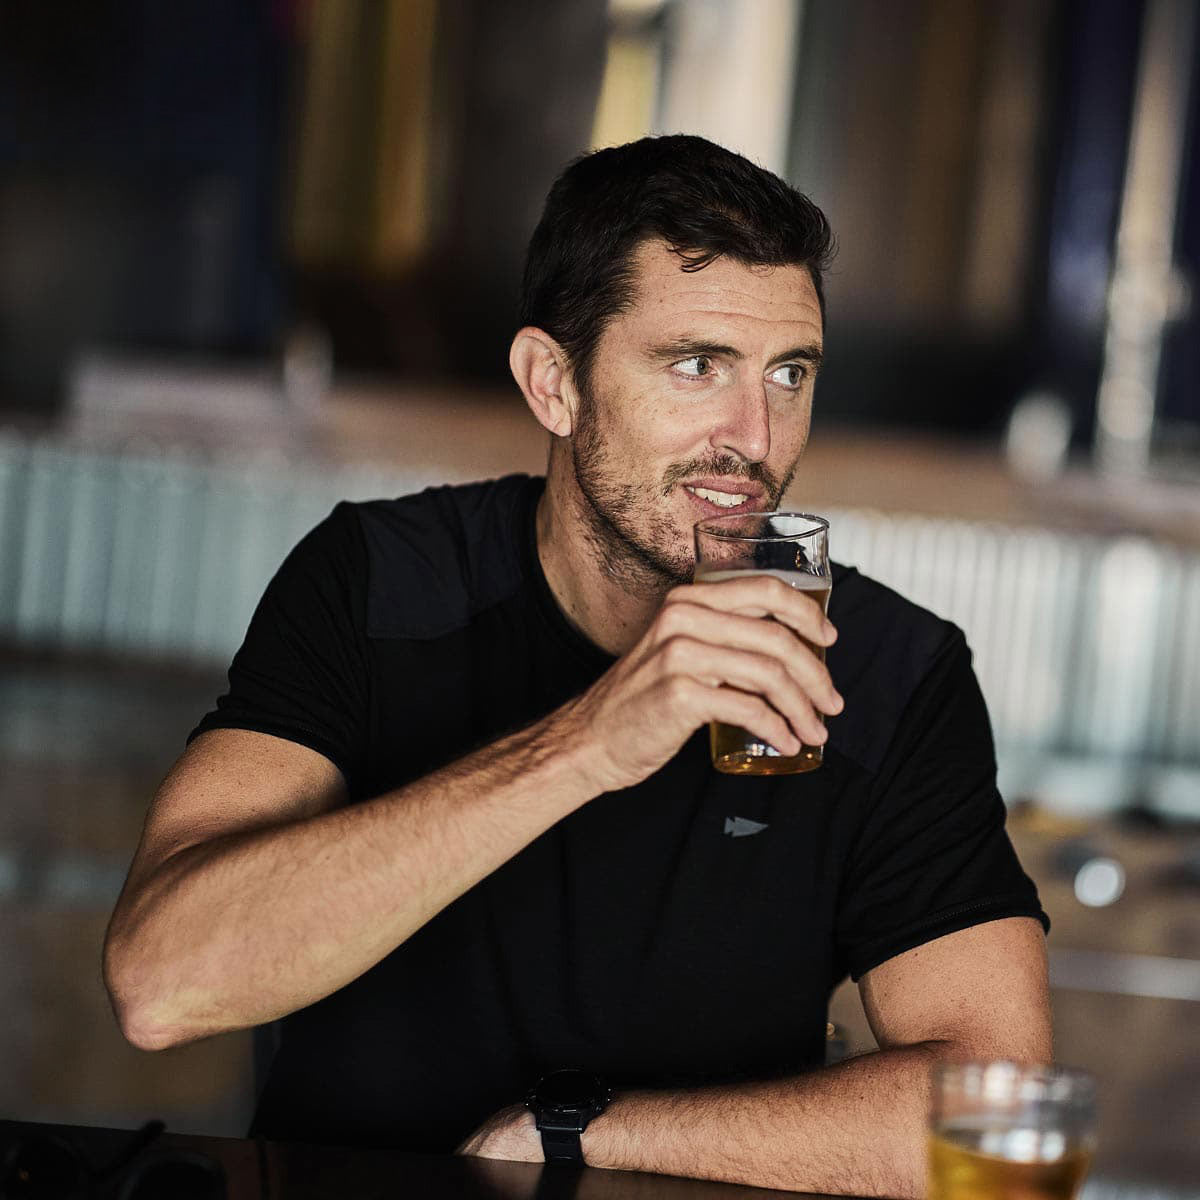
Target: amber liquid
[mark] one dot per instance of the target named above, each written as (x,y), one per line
(1034,1166)
(736,751)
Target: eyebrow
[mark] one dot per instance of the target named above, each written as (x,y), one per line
(688,347)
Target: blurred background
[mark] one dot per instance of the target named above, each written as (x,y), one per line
(260,255)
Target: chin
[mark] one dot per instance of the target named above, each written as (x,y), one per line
(677,558)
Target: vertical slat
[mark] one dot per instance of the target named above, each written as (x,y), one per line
(212,609)
(41,565)
(90,526)
(1127,603)
(172,591)
(14,468)
(134,542)
(1181,685)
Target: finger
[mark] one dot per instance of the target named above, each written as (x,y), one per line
(757,717)
(740,632)
(732,707)
(761,674)
(755,594)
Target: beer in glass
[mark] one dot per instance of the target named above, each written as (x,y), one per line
(1002,1131)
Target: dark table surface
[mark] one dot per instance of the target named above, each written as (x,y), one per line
(286,1171)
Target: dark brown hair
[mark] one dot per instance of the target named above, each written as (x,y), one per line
(704,201)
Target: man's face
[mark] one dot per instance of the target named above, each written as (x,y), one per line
(699,404)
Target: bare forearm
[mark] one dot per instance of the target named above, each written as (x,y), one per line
(857,1128)
(245,928)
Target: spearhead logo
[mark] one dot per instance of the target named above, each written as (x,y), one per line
(742,826)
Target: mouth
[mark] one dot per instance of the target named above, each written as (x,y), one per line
(712,496)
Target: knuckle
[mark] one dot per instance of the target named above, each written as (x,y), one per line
(782,637)
(675,652)
(673,619)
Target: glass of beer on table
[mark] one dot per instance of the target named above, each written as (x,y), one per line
(793,547)
(1003,1131)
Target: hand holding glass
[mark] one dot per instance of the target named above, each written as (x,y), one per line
(793,547)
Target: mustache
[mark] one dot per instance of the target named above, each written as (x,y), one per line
(727,466)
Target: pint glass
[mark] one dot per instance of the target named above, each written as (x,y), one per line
(793,547)
(1001,1131)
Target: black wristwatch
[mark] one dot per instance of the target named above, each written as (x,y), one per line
(562,1104)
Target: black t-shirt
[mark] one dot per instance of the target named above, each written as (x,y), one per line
(649,936)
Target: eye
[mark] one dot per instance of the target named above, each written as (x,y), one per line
(790,375)
(697,367)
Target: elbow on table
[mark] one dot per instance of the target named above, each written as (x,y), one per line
(143,1032)
(140,1003)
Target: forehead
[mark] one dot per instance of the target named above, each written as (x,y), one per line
(759,301)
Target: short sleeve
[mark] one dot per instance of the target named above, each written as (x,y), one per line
(302,671)
(931,855)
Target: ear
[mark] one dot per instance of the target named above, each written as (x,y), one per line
(538,364)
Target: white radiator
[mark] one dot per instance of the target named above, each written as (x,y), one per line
(1084,645)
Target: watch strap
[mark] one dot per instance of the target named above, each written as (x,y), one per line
(561,1145)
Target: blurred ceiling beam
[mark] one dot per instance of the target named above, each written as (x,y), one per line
(427,135)
(1146,292)
(363,145)
(729,75)
(629,93)
(922,142)
(1004,199)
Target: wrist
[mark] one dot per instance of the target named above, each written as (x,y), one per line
(603,1140)
(568,736)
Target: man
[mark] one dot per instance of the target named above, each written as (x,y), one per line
(455,821)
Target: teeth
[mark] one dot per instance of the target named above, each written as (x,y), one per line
(724,499)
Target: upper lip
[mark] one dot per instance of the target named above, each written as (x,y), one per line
(737,487)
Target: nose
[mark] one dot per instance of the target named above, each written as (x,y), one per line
(745,426)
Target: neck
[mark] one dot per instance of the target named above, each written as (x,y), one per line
(604,589)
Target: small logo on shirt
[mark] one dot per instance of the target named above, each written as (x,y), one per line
(742,826)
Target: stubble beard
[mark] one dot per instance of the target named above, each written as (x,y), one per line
(628,531)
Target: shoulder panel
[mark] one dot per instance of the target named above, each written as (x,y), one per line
(438,557)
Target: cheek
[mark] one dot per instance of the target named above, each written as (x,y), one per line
(649,430)
(680,429)
(790,429)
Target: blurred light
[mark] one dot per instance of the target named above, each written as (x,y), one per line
(1099,883)
(307,367)
(1038,436)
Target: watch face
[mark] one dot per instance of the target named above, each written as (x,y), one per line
(570,1089)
